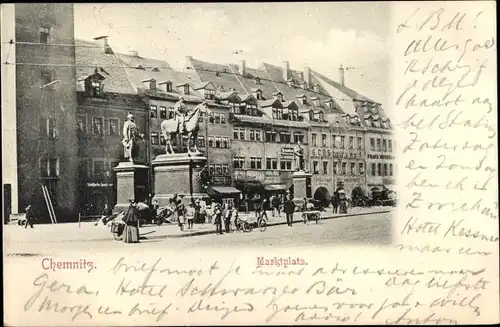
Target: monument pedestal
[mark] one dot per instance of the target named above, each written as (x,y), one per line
(301,186)
(177,173)
(131,183)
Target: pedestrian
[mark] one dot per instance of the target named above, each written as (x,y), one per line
(131,220)
(190,214)
(203,210)
(276,203)
(263,208)
(304,204)
(29,216)
(197,211)
(271,201)
(246,203)
(218,219)
(289,209)
(227,217)
(335,202)
(181,214)
(154,211)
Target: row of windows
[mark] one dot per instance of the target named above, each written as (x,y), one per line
(100,168)
(338,141)
(285,114)
(219,169)
(270,136)
(387,169)
(169,113)
(339,168)
(382,145)
(100,125)
(256,163)
(243,108)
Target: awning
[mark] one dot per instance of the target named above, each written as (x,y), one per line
(276,187)
(225,190)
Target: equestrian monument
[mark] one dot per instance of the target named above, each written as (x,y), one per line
(178,173)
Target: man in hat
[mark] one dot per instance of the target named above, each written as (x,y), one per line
(130,136)
(180,111)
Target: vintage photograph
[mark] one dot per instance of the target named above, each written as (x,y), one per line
(196,125)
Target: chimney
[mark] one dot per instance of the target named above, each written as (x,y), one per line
(257,80)
(316,88)
(134,53)
(286,70)
(104,44)
(341,76)
(242,67)
(188,62)
(307,75)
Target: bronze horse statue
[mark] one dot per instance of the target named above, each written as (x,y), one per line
(169,128)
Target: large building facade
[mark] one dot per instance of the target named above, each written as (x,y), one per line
(46,105)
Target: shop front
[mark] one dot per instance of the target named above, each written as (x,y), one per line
(94,195)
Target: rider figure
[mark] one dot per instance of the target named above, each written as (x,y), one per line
(180,110)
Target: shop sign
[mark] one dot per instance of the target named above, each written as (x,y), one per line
(329,153)
(99,184)
(384,157)
(221,180)
(248,175)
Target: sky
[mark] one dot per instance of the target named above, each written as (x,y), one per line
(321,35)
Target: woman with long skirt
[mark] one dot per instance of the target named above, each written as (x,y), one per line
(131,220)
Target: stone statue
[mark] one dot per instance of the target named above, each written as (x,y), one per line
(130,137)
(184,124)
(298,153)
(180,111)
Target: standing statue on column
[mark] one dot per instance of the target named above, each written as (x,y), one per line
(130,137)
(298,153)
(180,110)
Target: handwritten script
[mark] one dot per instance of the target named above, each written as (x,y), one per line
(446,107)
(157,292)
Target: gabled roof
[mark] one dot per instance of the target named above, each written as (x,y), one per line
(269,103)
(93,55)
(202,85)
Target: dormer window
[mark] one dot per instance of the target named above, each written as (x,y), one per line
(290,83)
(96,88)
(150,84)
(302,98)
(257,80)
(329,103)
(156,70)
(316,88)
(168,86)
(304,85)
(311,115)
(185,88)
(321,117)
(139,67)
(316,101)
(258,94)
(209,94)
(279,96)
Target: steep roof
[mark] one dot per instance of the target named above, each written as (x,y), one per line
(92,56)
(147,63)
